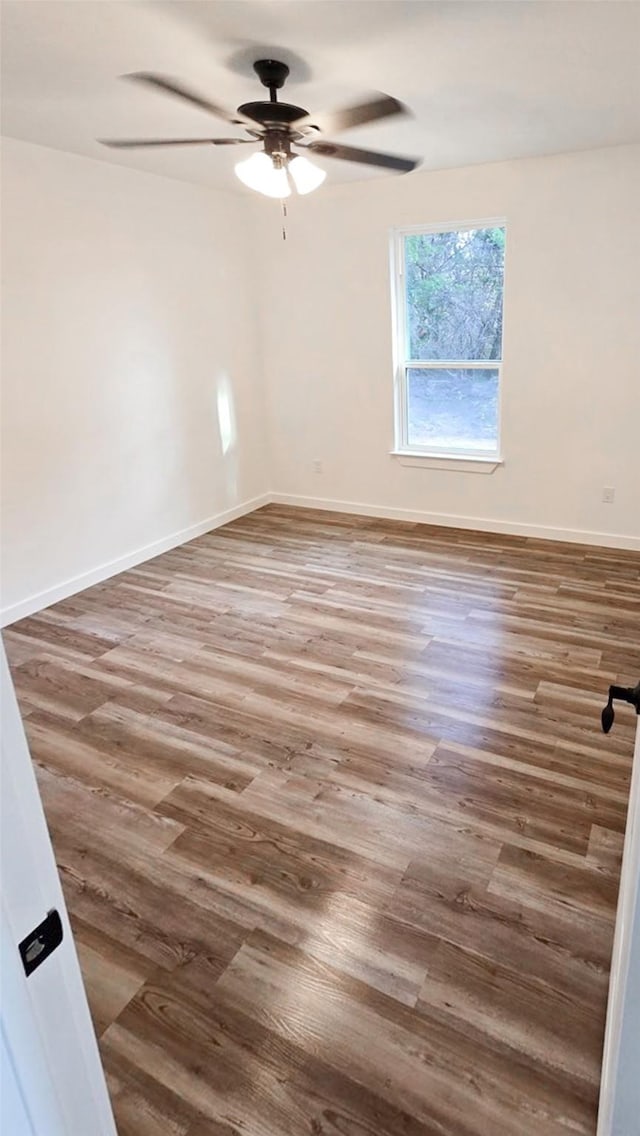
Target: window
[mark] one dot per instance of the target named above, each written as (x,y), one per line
(448,339)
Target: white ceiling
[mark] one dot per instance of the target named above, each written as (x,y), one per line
(485,80)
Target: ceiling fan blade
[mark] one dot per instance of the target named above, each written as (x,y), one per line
(331,122)
(366,157)
(171,87)
(133,143)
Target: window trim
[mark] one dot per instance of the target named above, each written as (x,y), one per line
(401,364)
(444,461)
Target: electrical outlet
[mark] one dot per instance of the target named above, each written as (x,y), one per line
(317,466)
(608,495)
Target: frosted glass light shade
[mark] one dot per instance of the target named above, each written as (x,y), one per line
(258,172)
(306,176)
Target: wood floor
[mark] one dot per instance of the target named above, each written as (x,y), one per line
(338,830)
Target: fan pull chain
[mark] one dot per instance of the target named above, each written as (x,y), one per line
(284,218)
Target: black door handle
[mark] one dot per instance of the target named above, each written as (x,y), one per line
(42,941)
(629,694)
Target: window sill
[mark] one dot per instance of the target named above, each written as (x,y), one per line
(456,462)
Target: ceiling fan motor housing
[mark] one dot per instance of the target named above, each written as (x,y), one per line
(272,74)
(272,114)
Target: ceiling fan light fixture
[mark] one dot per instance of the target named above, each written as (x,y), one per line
(306,175)
(260,173)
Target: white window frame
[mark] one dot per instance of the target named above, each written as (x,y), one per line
(439,457)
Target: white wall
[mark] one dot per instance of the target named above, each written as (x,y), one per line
(132,393)
(142,317)
(570,350)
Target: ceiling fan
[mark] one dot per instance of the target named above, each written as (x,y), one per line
(278,127)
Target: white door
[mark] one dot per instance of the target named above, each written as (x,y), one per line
(52,1079)
(619,1110)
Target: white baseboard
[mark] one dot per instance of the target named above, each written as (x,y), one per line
(452,520)
(76,584)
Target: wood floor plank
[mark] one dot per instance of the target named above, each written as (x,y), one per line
(110,986)
(605,850)
(241,1077)
(102,818)
(428,1066)
(514,1010)
(338,830)
(118,765)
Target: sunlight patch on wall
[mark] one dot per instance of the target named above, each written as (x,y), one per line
(226,415)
